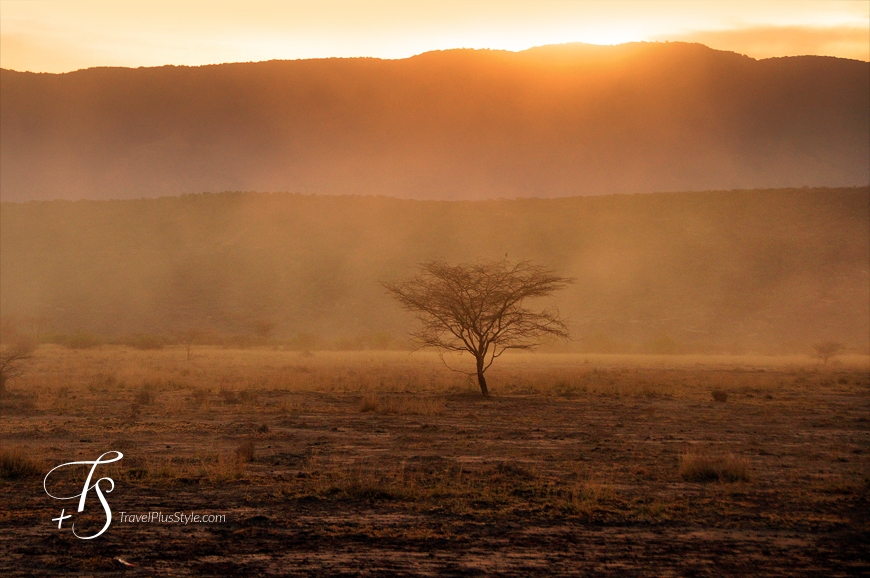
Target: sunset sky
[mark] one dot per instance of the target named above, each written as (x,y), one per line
(64,35)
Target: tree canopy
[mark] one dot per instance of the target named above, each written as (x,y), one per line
(827,350)
(479,308)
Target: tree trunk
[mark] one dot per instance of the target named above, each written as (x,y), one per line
(480,379)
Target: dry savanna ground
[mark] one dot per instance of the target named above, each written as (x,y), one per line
(388,464)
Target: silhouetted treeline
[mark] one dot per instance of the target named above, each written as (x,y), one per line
(766,270)
(460,124)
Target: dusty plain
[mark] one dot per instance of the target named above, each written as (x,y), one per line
(389,464)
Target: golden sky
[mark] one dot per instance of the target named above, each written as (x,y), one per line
(64,35)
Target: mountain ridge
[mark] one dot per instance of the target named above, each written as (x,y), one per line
(549,121)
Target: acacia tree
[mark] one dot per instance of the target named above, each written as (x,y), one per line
(12,360)
(478,308)
(187,337)
(827,350)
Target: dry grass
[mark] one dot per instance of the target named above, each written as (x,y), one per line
(700,467)
(245,377)
(446,484)
(169,471)
(79,383)
(339,438)
(223,469)
(16,465)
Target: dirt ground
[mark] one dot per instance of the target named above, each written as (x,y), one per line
(390,465)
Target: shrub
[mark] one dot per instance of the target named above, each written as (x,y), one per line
(245,452)
(144,396)
(702,468)
(15,465)
(720,396)
(369,403)
(199,395)
(565,389)
(248,396)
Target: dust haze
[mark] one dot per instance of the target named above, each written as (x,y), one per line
(769,271)
(249,354)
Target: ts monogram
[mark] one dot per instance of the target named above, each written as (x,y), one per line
(84,493)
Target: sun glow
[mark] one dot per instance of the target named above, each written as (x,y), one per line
(60,35)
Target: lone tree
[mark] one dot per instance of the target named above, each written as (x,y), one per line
(12,360)
(187,337)
(827,350)
(478,308)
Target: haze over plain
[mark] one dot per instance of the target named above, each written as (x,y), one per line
(764,271)
(739,271)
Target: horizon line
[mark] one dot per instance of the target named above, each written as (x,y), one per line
(396,198)
(440,50)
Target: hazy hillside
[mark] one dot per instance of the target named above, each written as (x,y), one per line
(742,270)
(461,124)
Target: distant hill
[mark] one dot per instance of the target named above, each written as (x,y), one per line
(460,124)
(768,270)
